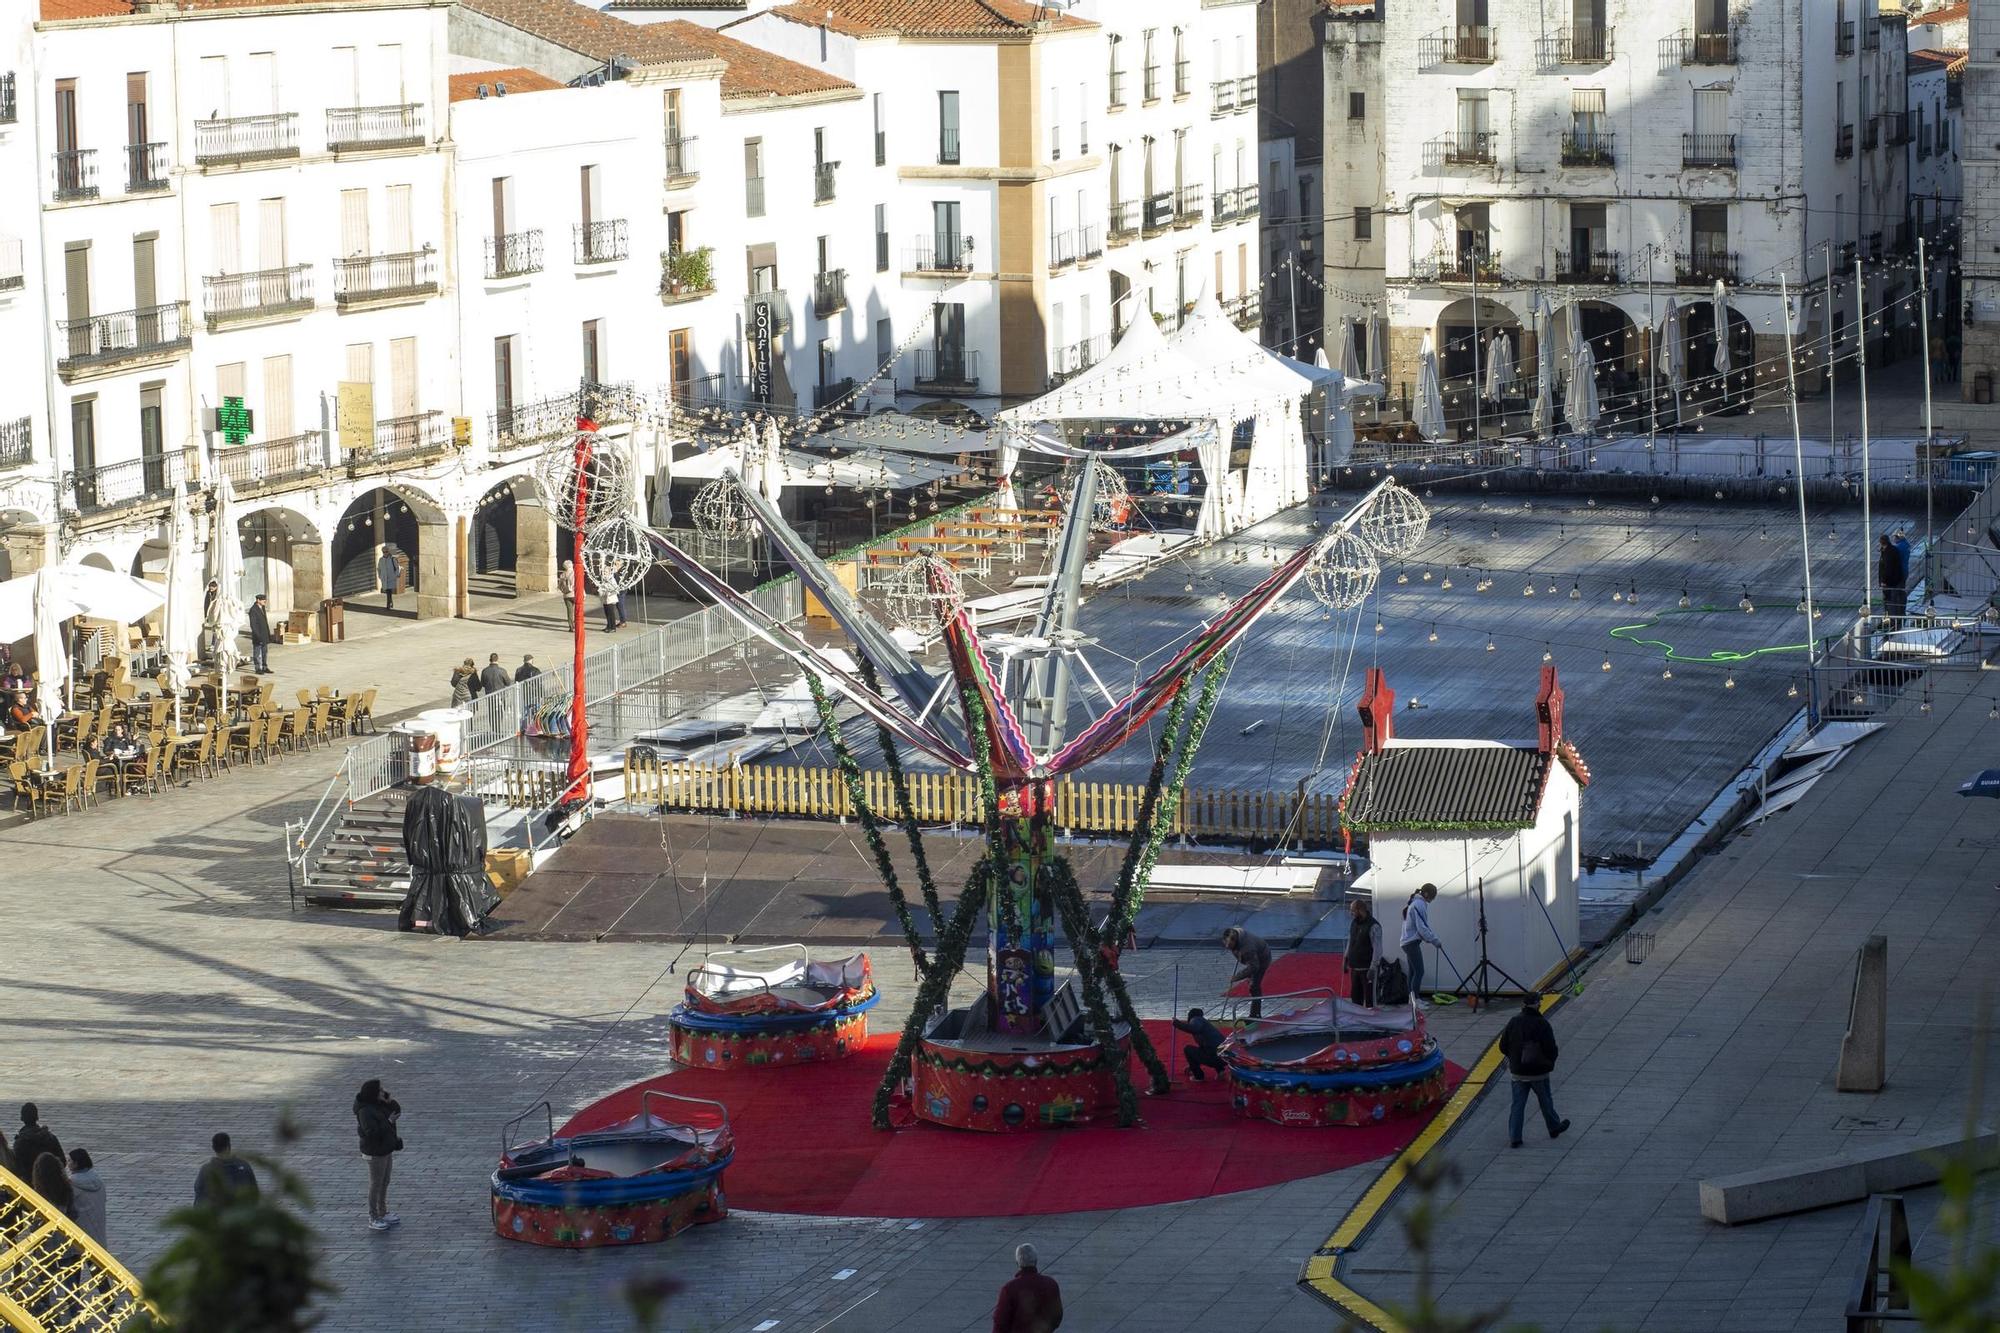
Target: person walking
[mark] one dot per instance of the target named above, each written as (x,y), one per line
(527,670)
(1893,575)
(388,576)
(1205,1050)
(1253,959)
(32,1140)
(495,677)
(464,680)
(1529,1044)
(609,597)
(375,1117)
(1417,933)
(1030,1301)
(225,1177)
(260,635)
(87,1189)
(1364,950)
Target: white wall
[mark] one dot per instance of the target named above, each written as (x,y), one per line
(26,491)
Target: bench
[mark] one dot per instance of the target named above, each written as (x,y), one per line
(1819,1182)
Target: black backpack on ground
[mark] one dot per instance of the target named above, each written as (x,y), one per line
(1392,984)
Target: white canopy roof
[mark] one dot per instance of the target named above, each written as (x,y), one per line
(1143,377)
(860,471)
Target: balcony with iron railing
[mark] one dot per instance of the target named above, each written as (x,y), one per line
(13,269)
(1467,44)
(1871,133)
(1588,148)
(1245,311)
(881,148)
(1476,262)
(1708,150)
(266,293)
(687,275)
(1067,362)
(9,109)
(835,394)
(681,168)
(1150,89)
(1222,97)
(514,254)
(1578,44)
(1115,100)
(1460,148)
(1124,221)
(145,167)
(601,241)
(362,279)
(270,464)
(776,302)
(1246,92)
(1189,201)
(702,390)
(143,333)
(1704,264)
(948,146)
(1159,212)
(1183,77)
(1062,249)
(76,173)
(17,441)
(953,369)
(1876,245)
(359,129)
(1843,141)
(946,252)
(753,196)
(1895,127)
(1843,38)
(830,292)
(1089,243)
(414,435)
(133,482)
(1587,266)
(1871,33)
(234,140)
(1699,48)
(823,181)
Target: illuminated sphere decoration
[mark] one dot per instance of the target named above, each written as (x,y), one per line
(720,512)
(616,553)
(1343,575)
(1396,522)
(609,485)
(922,594)
(1111,500)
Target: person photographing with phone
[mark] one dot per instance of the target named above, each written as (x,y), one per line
(375,1116)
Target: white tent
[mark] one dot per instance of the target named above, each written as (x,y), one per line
(77,590)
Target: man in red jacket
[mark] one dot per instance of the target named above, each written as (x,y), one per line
(1029,1303)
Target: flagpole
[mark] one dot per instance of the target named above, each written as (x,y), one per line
(1924,306)
(1867,521)
(1832,362)
(1799,484)
(1652,368)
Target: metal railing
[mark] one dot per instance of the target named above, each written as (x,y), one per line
(1464,264)
(687,274)
(823,181)
(881,148)
(13,272)
(1708,150)
(753,196)
(1843,141)
(381,277)
(600,242)
(513,254)
(1460,148)
(1467,44)
(1089,242)
(1895,127)
(123,334)
(1062,249)
(273,462)
(1871,132)
(948,146)
(702,390)
(1246,92)
(9,108)
(1247,310)
(1588,148)
(17,441)
(1702,265)
(1587,266)
(1871,33)
(1843,38)
(1159,211)
(1578,44)
(547,418)
(826,395)
(1076,358)
(1222,97)
(1150,88)
(352,127)
(132,481)
(266,291)
(1700,48)
(1189,200)
(1183,80)
(145,167)
(1116,97)
(829,292)
(680,161)
(1878,1295)
(236,139)
(417,433)
(935,253)
(76,173)
(954,366)
(1124,221)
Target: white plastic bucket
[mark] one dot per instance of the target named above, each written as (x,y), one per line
(448,725)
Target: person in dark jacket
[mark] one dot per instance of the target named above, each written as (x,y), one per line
(260,635)
(225,1177)
(32,1140)
(1893,575)
(375,1116)
(1529,1044)
(527,670)
(495,677)
(1203,1052)
(1364,949)
(1029,1302)
(388,573)
(1253,960)
(52,1183)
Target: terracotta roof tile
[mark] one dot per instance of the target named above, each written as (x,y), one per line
(751,72)
(1949,14)
(465,87)
(1953,61)
(930,18)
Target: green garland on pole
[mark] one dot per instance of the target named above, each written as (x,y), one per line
(905,811)
(1062,886)
(857,792)
(1068,895)
(1170,798)
(1128,878)
(935,991)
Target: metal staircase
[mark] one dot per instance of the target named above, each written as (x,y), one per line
(53,1278)
(361,863)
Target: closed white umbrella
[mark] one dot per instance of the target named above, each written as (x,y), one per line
(50,609)
(1573,327)
(773,473)
(1673,352)
(1721,328)
(1499,367)
(663,473)
(1544,418)
(1580,405)
(750,472)
(225,554)
(1378,348)
(1430,397)
(1350,361)
(180,629)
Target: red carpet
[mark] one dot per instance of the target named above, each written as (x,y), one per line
(803,1142)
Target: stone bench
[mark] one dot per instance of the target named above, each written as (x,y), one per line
(1793,1187)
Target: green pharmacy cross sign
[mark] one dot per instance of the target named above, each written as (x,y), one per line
(234,420)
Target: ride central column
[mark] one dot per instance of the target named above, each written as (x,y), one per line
(1020,925)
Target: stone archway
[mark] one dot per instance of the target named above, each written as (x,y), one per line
(1464,335)
(284,558)
(512,540)
(1704,391)
(1618,353)
(404,522)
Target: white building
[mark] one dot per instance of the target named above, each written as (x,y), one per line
(1980,222)
(27,483)
(1632,153)
(1936,182)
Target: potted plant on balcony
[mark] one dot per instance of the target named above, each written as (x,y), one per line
(687,271)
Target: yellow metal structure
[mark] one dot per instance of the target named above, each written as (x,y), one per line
(53,1278)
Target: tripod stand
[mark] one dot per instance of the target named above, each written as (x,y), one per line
(1486,970)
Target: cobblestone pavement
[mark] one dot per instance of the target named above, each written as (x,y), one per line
(161,990)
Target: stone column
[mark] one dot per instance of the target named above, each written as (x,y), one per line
(534,549)
(310,556)
(435,569)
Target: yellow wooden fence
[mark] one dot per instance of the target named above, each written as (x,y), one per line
(1311,821)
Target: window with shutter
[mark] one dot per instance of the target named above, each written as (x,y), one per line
(403,377)
(401,237)
(223,238)
(274,415)
(229,381)
(271,234)
(354,223)
(361,363)
(1711,111)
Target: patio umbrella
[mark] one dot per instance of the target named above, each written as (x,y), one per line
(1378,348)
(1544,418)
(1982,784)
(50,659)
(750,469)
(663,474)
(1721,328)
(773,471)
(1580,402)
(225,553)
(1673,355)
(180,630)
(1430,399)
(1350,360)
(1573,327)
(76,590)
(1499,368)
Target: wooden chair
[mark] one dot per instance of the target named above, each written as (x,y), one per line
(274,732)
(136,771)
(150,769)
